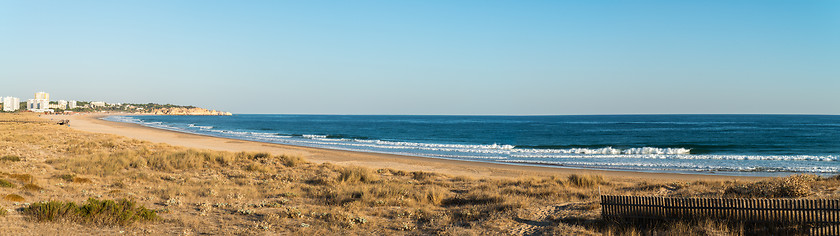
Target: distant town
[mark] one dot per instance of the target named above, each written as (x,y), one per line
(41,103)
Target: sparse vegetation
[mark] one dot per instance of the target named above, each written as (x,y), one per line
(6,184)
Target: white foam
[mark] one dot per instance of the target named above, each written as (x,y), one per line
(683,166)
(200,126)
(611,151)
(692,157)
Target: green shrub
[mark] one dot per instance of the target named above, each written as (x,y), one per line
(10,158)
(101,212)
(66,177)
(6,184)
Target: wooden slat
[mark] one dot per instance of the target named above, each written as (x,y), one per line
(822,214)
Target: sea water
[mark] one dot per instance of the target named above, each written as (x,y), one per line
(713,144)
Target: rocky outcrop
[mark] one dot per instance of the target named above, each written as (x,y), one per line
(195,111)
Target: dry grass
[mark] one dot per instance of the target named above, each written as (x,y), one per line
(13,198)
(32,187)
(26,178)
(587,181)
(788,187)
(355,175)
(213,192)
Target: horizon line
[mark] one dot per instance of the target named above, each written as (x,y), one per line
(602,114)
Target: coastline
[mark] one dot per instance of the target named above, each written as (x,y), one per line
(93,123)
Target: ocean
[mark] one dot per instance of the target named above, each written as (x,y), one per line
(758,145)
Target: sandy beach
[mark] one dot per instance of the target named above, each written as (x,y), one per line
(93,123)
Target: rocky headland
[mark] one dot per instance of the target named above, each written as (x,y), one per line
(192,111)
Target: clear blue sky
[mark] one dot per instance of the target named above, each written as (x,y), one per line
(430,57)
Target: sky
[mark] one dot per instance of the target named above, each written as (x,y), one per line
(480,57)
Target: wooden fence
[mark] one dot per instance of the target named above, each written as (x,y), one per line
(822,215)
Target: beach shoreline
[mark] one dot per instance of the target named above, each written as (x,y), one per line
(94,123)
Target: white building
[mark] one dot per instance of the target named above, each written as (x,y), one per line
(37,105)
(61,104)
(41,103)
(97,104)
(71,104)
(11,104)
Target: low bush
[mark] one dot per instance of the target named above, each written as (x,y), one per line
(10,158)
(6,184)
(108,212)
(65,177)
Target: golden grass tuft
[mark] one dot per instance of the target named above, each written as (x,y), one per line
(586,181)
(73,178)
(792,186)
(355,174)
(423,176)
(292,160)
(26,178)
(256,167)
(14,198)
(434,195)
(81,180)
(32,187)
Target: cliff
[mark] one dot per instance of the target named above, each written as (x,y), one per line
(195,111)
